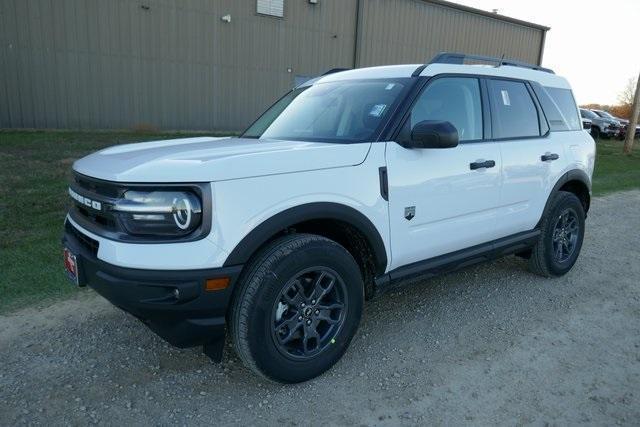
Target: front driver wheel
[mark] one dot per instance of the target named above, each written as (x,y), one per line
(298,308)
(561,239)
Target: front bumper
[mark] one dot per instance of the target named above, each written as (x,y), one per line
(189,318)
(623,133)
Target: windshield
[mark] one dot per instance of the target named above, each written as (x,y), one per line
(604,114)
(342,111)
(588,114)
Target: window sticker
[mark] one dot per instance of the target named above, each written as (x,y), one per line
(377,110)
(505,97)
(390,86)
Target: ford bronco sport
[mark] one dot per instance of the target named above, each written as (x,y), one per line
(350,183)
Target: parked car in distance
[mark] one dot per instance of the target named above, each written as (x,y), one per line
(608,115)
(347,185)
(624,124)
(600,126)
(623,131)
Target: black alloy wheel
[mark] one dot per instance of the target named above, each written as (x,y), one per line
(561,235)
(309,313)
(565,235)
(297,307)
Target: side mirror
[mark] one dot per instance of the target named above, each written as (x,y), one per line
(586,125)
(433,134)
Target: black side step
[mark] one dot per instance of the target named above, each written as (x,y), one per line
(458,259)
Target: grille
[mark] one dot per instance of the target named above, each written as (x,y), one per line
(101,219)
(101,191)
(98,187)
(87,242)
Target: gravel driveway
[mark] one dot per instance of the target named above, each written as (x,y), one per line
(491,344)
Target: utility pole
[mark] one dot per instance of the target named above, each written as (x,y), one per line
(633,121)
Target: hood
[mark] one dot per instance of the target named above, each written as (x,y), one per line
(206,159)
(611,121)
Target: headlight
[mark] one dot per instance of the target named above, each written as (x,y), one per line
(159,213)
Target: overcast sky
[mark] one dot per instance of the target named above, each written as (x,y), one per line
(586,43)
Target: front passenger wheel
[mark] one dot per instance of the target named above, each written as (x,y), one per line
(561,239)
(298,308)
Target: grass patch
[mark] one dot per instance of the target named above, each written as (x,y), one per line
(614,170)
(34,172)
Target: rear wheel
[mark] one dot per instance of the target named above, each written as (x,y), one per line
(561,239)
(298,308)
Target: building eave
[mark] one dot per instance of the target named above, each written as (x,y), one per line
(484,13)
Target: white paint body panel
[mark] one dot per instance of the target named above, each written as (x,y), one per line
(159,256)
(455,207)
(243,204)
(214,159)
(527,180)
(253,180)
(544,78)
(239,205)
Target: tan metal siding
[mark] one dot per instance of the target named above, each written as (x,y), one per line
(410,31)
(113,64)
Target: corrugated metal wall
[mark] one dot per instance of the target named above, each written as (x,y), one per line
(174,64)
(405,31)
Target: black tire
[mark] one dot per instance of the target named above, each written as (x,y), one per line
(595,132)
(557,249)
(267,285)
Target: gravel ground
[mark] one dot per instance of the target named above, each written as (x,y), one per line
(492,344)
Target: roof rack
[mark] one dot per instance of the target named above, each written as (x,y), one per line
(460,58)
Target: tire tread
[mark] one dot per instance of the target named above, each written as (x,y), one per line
(257,269)
(537,262)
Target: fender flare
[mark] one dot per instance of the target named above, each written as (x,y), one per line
(307,212)
(572,175)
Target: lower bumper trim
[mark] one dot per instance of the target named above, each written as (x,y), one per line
(174,304)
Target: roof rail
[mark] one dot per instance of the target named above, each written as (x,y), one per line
(460,58)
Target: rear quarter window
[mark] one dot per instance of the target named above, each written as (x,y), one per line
(559,107)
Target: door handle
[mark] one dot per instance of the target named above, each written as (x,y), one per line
(482,164)
(549,156)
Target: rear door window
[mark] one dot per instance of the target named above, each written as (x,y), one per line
(514,114)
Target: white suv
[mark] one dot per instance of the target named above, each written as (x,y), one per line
(348,184)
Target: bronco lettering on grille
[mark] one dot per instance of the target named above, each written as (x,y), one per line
(85,201)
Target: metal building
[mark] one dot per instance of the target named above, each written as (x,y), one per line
(215,64)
